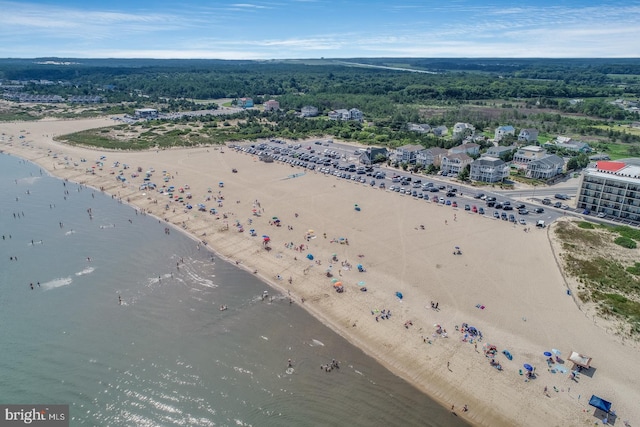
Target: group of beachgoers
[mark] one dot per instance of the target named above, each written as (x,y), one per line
(384,314)
(328,367)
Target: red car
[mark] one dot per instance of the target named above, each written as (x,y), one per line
(474,209)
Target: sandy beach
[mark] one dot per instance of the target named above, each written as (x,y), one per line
(506,283)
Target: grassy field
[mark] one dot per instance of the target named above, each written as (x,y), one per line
(609,274)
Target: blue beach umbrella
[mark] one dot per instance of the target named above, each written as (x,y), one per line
(310,257)
(528,367)
(547,354)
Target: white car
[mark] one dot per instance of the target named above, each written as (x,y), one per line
(522,221)
(602,215)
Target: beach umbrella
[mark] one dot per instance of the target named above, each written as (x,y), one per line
(334,280)
(310,257)
(337,284)
(457,247)
(528,367)
(274,217)
(399,295)
(555,351)
(547,354)
(361,283)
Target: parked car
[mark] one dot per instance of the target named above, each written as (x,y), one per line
(448,203)
(602,215)
(508,208)
(562,196)
(481,210)
(478,196)
(539,210)
(522,221)
(557,205)
(467,207)
(454,204)
(496,214)
(521,206)
(491,204)
(586,212)
(474,209)
(512,218)
(546,201)
(504,216)
(523,211)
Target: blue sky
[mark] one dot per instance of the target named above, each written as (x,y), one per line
(276,29)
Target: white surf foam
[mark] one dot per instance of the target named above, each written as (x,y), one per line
(87,270)
(56,283)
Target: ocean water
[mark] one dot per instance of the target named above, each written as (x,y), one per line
(164,355)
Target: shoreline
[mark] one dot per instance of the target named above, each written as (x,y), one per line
(397,258)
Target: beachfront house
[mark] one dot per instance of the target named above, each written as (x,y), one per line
(528,136)
(576,146)
(503,131)
(371,154)
(453,164)
(489,169)
(271,105)
(430,156)
(545,167)
(309,111)
(526,155)
(407,153)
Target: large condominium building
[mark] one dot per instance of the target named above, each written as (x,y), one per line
(612,188)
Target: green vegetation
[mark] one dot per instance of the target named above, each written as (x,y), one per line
(15,116)
(625,242)
(601,270)
(626,231)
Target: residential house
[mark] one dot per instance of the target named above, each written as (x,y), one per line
(503,131)
(526,155)
(545,167)
(309,111)
(497,151)
(371,154)
(343,114)
(489,169)
(460,128)
(271,105)
(244,103)
(407,153)
(440,131)
(453,164)
(528,135)
(469,148)
(420,128)
(430,156)
(578,146)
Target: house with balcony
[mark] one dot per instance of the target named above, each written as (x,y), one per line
(503,131)
(526,155)
(453,164)
(528,136)
(430,156)
(489,169)
(407,153)
(545,167)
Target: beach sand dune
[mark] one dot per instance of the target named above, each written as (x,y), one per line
(506,283)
